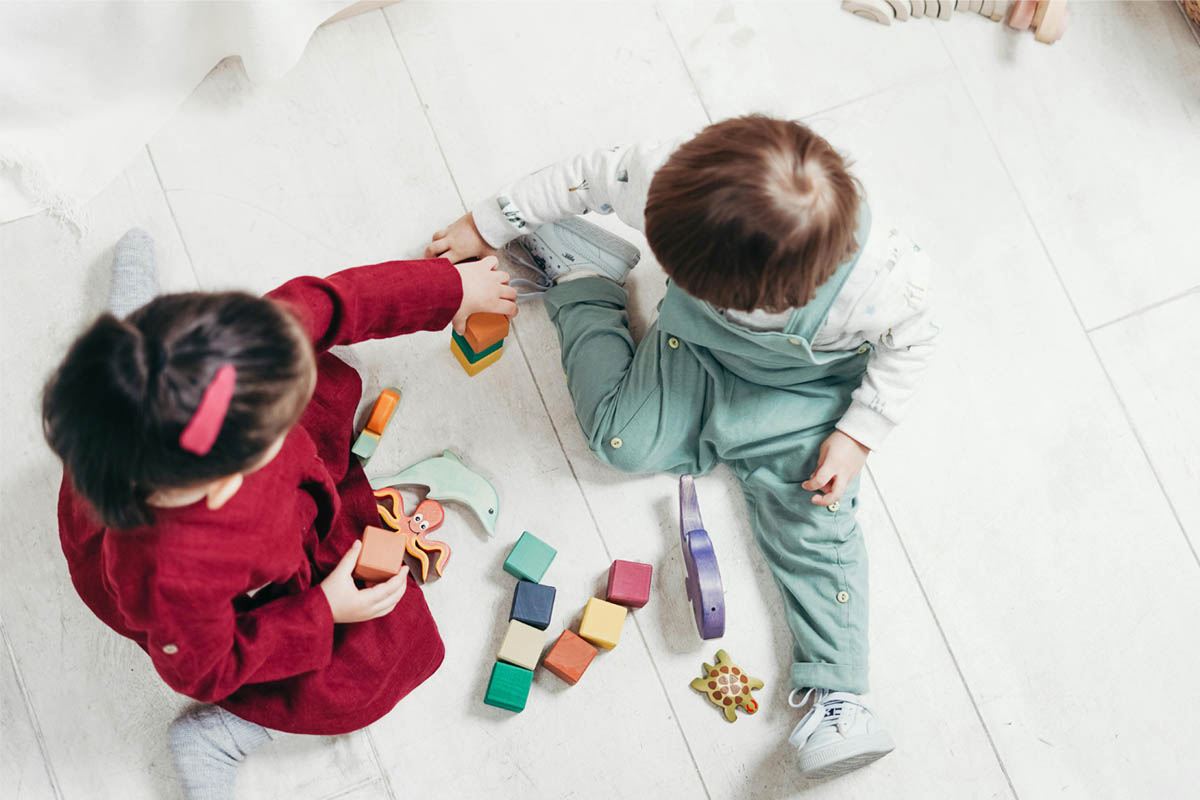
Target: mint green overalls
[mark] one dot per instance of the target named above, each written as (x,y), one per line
(700,390)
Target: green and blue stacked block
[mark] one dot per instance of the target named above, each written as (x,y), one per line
(529,558)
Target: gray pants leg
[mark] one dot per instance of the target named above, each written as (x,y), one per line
(207,745)
(134,273)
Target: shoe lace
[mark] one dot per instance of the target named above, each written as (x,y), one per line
(827,709)
(541,282)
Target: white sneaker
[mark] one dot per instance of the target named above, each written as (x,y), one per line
(837,735)
(558,248)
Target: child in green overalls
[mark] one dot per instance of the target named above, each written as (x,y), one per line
(793,333)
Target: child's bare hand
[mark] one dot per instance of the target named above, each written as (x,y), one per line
(840,460)
(459,241)
(351,604)
(484,289)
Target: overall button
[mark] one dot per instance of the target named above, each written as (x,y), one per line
(673,343)
(862,349)
(794,340)
(843,597)
(170,649)
(834,506)
(615,443)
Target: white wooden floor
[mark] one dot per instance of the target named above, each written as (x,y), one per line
(1034,527)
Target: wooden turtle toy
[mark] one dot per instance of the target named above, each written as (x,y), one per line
(728,686)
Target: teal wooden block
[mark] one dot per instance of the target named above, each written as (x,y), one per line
(508,687)
(529,558)
(471,356)
(364,445)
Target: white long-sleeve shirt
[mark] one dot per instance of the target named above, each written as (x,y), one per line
(885,301)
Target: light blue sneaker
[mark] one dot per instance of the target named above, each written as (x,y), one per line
(558,248)
(837,735)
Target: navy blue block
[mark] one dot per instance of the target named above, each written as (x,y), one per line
(532,604)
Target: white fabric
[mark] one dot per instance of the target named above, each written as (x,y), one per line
(886,301)
(83,86)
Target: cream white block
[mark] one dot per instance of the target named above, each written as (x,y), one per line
(917,8)
(874,10)
(900,9)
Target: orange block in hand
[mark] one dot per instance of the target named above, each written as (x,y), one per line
(484,330)
(382,554)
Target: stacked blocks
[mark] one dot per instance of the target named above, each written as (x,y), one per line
(508,687)
(482,343)
(381,414)
(529,558)
(629,583)
(532,604)
(1048,18)
(602,623)
(522,645)
(569,657)
(381,556)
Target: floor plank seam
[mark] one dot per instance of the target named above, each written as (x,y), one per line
(1075,309)
(383,773)
(424,109)
(162,187)
(354,788)
(1144,309)
(942,633)
(38,736)
(683,60)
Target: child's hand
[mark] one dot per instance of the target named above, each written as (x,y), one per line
(351,604)
(484,289)
(841,459)
(461,240)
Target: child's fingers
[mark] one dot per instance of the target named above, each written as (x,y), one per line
(441,234)
(508,293)
(438,246)
(346,565)
(503,276)
(489,262)
(506,307)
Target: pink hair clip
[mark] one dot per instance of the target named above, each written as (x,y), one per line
(201,432)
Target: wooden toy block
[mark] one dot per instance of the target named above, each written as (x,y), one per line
(381,556)
(875,10)
(522,645)
(382,411)
(602,622)
(998,11)
(987,8)
(569,657)
(916,8)
(469,352)
(484,330)
(1053,23)
(508,688)
(629,583)
(1021,15)
(900,9)
(703,581)
(532,603)
(974,6)
(945,9)
(529,558)
(480,365)
(364,445)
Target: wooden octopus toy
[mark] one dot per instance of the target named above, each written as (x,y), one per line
(427,518)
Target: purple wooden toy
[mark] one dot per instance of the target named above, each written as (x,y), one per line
(703,575)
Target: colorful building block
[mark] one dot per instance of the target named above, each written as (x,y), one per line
(602,622)
(381,556)
(508,688)
(532,603)
(629,583)
(484,330)
(470,353)
(522,645)
(569,657)
(480,365)
(529,558)
(381,412)
(364,445)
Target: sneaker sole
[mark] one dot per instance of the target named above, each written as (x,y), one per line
(608,243)
(838,759)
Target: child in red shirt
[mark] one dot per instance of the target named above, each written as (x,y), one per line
(210,508)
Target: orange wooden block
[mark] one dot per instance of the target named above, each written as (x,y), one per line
(569,657)
(484,330)
(382,554)
(382,412)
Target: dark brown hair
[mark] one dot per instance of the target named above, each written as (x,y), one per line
(753,213)
(114,409)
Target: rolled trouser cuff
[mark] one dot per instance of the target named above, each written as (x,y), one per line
(834,677)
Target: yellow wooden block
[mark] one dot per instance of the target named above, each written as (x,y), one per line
(522,645)
(602,623)
(478,366)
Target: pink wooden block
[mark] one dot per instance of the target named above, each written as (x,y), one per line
(629,583)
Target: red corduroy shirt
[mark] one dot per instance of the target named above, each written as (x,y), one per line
(183,588)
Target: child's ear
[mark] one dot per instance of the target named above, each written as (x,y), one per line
(222,491)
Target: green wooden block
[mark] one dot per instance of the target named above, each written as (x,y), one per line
(529,558)
(470,354)
(364,445)
(508,687)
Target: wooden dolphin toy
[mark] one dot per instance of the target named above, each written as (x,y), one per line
(449,479)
